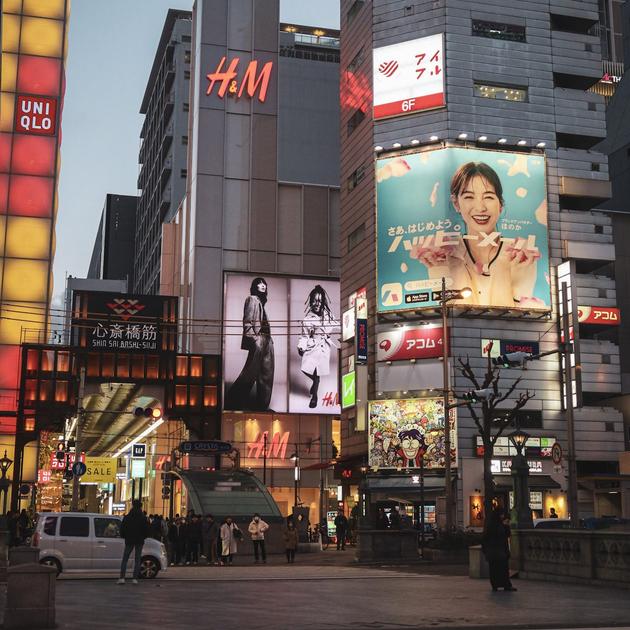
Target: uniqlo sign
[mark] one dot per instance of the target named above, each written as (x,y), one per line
(408,77)
(417,342)
(36,115)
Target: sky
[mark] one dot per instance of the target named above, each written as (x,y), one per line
(110,52)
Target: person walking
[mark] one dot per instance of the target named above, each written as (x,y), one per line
(134,529)
(230,535)
(290,541)
(194,540)
(174,556)
(495,545)
(257,529)
(341,525)
(209,535)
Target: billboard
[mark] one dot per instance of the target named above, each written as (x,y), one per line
(408,77)
(477,218)
(348,390)
(410,342)
(603,315)
(280,344)
(400,429)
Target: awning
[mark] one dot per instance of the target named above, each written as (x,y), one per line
(534,481)
(407,484)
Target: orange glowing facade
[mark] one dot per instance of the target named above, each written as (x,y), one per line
(34,44)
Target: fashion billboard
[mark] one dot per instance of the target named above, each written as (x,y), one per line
(477,218)
(280,342)
(408,77)
(401,431)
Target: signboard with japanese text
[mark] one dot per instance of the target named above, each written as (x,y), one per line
(535,447)
(409,342)
(408,77)
(362,341)
(506,346)
(475,217)
(280,344)
(504,466)
(69,459)
(399,430)
(601,315)
(126,323)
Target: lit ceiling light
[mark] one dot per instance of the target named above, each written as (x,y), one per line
(482,138)
(378,147)
(541,145)
(415,141)
(319,32)
(434,138)
(522,143)
(135,440)
(397,145)
(502,140)
(463,136)
(291,29)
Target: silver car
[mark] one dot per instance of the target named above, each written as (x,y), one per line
(78,541)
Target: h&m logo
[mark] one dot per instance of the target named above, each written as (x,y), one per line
(228,82)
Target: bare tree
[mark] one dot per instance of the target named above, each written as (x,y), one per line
(493,419)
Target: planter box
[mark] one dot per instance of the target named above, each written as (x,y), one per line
(387,544)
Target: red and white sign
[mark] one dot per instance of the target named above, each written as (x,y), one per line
(252,81)
(409,77)
(36,115)
(606,316)
(55,464)
(417,342)
(44,476)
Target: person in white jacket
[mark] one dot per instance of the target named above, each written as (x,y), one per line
(230,535)
(257,529)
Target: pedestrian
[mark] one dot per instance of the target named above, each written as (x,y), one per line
(552,513)
(230,536)
(134,529)
(12,526)
(495,545)
(257,529)
(193,533)
(156,527)
(290,541)
(394,518)
(341,526)
(209,535)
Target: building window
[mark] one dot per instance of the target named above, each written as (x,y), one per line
(185,107)
(187,74)
(185,140)
(356,177)
(356,62)
(183,173)
(355,120)
(357,5)
(498,30)
(187,56)
(501,92)
(185,38)
(356,236)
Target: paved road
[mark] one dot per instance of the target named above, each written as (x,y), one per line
(331,597)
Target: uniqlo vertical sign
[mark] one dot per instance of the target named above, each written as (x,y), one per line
(36,115)
(409,77)
(362,341)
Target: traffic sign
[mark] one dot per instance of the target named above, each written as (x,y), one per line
(556,453)
(205,446)
(139,450)
(78,469)
(449,294)
(24,489)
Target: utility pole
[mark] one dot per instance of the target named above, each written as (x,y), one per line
(74,506)
(568,384)
(448,488)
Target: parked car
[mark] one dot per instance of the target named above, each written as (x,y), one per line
(552,523)
(90,542)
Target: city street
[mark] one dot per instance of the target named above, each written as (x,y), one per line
(335,595)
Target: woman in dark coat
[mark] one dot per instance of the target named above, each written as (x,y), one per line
(496,547)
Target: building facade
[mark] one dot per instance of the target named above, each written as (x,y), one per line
(506,86)
(164,136)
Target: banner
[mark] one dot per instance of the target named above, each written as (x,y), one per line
(602,315)
(475,217)
(399,430)
(281,338)
(414,342)
(99,470)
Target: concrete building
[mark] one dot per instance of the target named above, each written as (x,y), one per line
(516,80)
(262,198)
(114,246)
(164,136)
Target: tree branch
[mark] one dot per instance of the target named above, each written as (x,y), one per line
(512,387)
(466,371)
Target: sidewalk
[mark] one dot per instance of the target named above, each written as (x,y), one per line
(335,596)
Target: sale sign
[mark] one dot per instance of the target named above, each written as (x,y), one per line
(605,316)
(408,77)
(36,115)
(415,342)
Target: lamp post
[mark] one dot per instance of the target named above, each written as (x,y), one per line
(445,298)
(522,515)
(5,464)
(295,458)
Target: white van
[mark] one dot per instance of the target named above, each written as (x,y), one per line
(79,541)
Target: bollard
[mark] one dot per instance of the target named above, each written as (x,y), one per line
(30,596)
(23,555)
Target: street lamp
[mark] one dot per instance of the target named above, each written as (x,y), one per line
(522,515)
(295,458)
(5,464)
(445,298)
